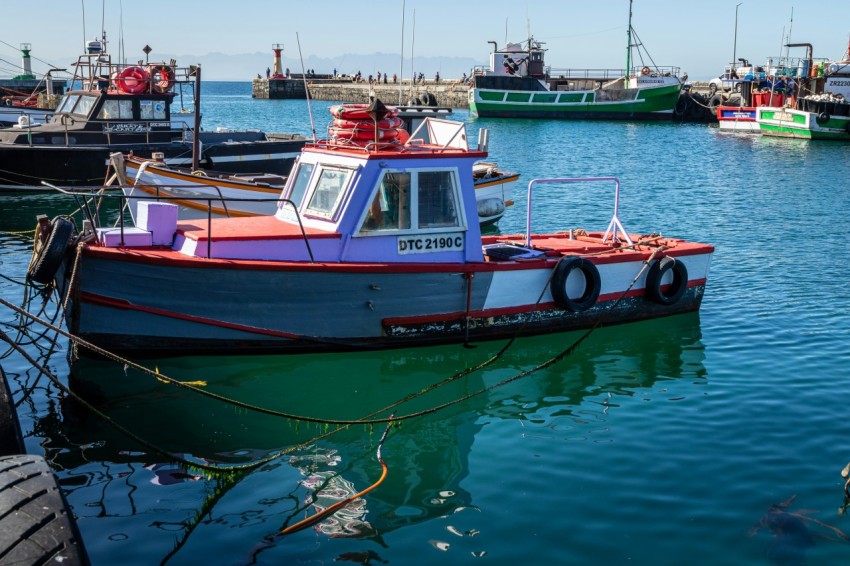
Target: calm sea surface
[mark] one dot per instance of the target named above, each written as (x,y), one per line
(663,442)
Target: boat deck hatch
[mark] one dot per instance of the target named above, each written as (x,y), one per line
(509,252)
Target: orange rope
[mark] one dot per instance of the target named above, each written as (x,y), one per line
(309,521)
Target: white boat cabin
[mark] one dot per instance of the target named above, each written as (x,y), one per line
(387,203)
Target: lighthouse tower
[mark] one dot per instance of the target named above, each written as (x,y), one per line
(26,63)
(277,73)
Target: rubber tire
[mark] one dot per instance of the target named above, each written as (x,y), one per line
(36,526)
(559,283)
(677,288)
(716,100)
(423,99)
(712,88)
(11,439)
(822,118)
(51,255)
(432,100)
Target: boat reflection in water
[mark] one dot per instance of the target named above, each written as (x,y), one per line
(121,489)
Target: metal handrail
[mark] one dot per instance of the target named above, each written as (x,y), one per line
(613,226)
(209,200)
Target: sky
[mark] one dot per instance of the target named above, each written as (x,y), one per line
(234,38)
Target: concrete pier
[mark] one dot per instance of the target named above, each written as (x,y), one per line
(451,93)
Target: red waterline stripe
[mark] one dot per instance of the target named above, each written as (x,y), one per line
(127,305)
(507,311)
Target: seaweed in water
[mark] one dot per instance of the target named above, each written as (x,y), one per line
(790,534)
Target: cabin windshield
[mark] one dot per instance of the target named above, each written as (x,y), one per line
(302,180)
(84,105)
(327,192)
(407,201)
(67,103)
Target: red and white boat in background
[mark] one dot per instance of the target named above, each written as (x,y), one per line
(743,118)
(376,245)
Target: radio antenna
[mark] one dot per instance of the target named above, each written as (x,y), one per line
(306,91)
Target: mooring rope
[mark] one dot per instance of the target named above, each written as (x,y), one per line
(370,421)
(330,510)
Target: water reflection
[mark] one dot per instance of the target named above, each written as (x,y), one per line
(107,475)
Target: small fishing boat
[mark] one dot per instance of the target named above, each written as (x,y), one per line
(375,245)
(821,112)
(517,84)
(257,194)
(127,108)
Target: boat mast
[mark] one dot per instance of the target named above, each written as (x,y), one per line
(401,62)
(629,42)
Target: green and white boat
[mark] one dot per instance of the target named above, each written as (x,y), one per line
(795,123)
(518,84)
(823,114)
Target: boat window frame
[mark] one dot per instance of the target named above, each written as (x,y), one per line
(462,225)
(312,188)
(122,104)
(84,98)
(65,102)
(293,176)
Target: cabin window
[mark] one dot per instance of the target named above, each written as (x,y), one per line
(116,110)
(299,186)
(146,109)
(84,106)
(329,189)
(68,103)
(437,205)
(152,110)
(390,209)
(418,200)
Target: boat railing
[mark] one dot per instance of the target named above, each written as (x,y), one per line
(614,226)
(86,198)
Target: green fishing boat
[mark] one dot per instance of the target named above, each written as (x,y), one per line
(518,84)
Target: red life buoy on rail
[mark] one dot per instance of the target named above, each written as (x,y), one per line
(357,112)
(162,78)
(132,80)
(385,124)
(363,134)
(645,71)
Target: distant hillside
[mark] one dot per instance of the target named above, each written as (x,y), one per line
(244,67)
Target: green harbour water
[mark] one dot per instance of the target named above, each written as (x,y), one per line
(663,442)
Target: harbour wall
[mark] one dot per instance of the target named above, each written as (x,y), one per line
(448,93)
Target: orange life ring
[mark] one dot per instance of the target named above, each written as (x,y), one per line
(363,134)
(645,71)
(357,112)
(368,124)
(132,80)
(162,78)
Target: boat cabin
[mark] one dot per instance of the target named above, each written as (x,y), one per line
(362,202)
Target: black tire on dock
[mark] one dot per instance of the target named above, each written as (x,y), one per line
(432,100)
(681,107)
(49,257)
(11,439)
(36,526)
(715,101)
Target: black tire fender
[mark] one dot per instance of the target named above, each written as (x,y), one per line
(675,289)
(822,118)
(592,283)
(37,524)
(49,256)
